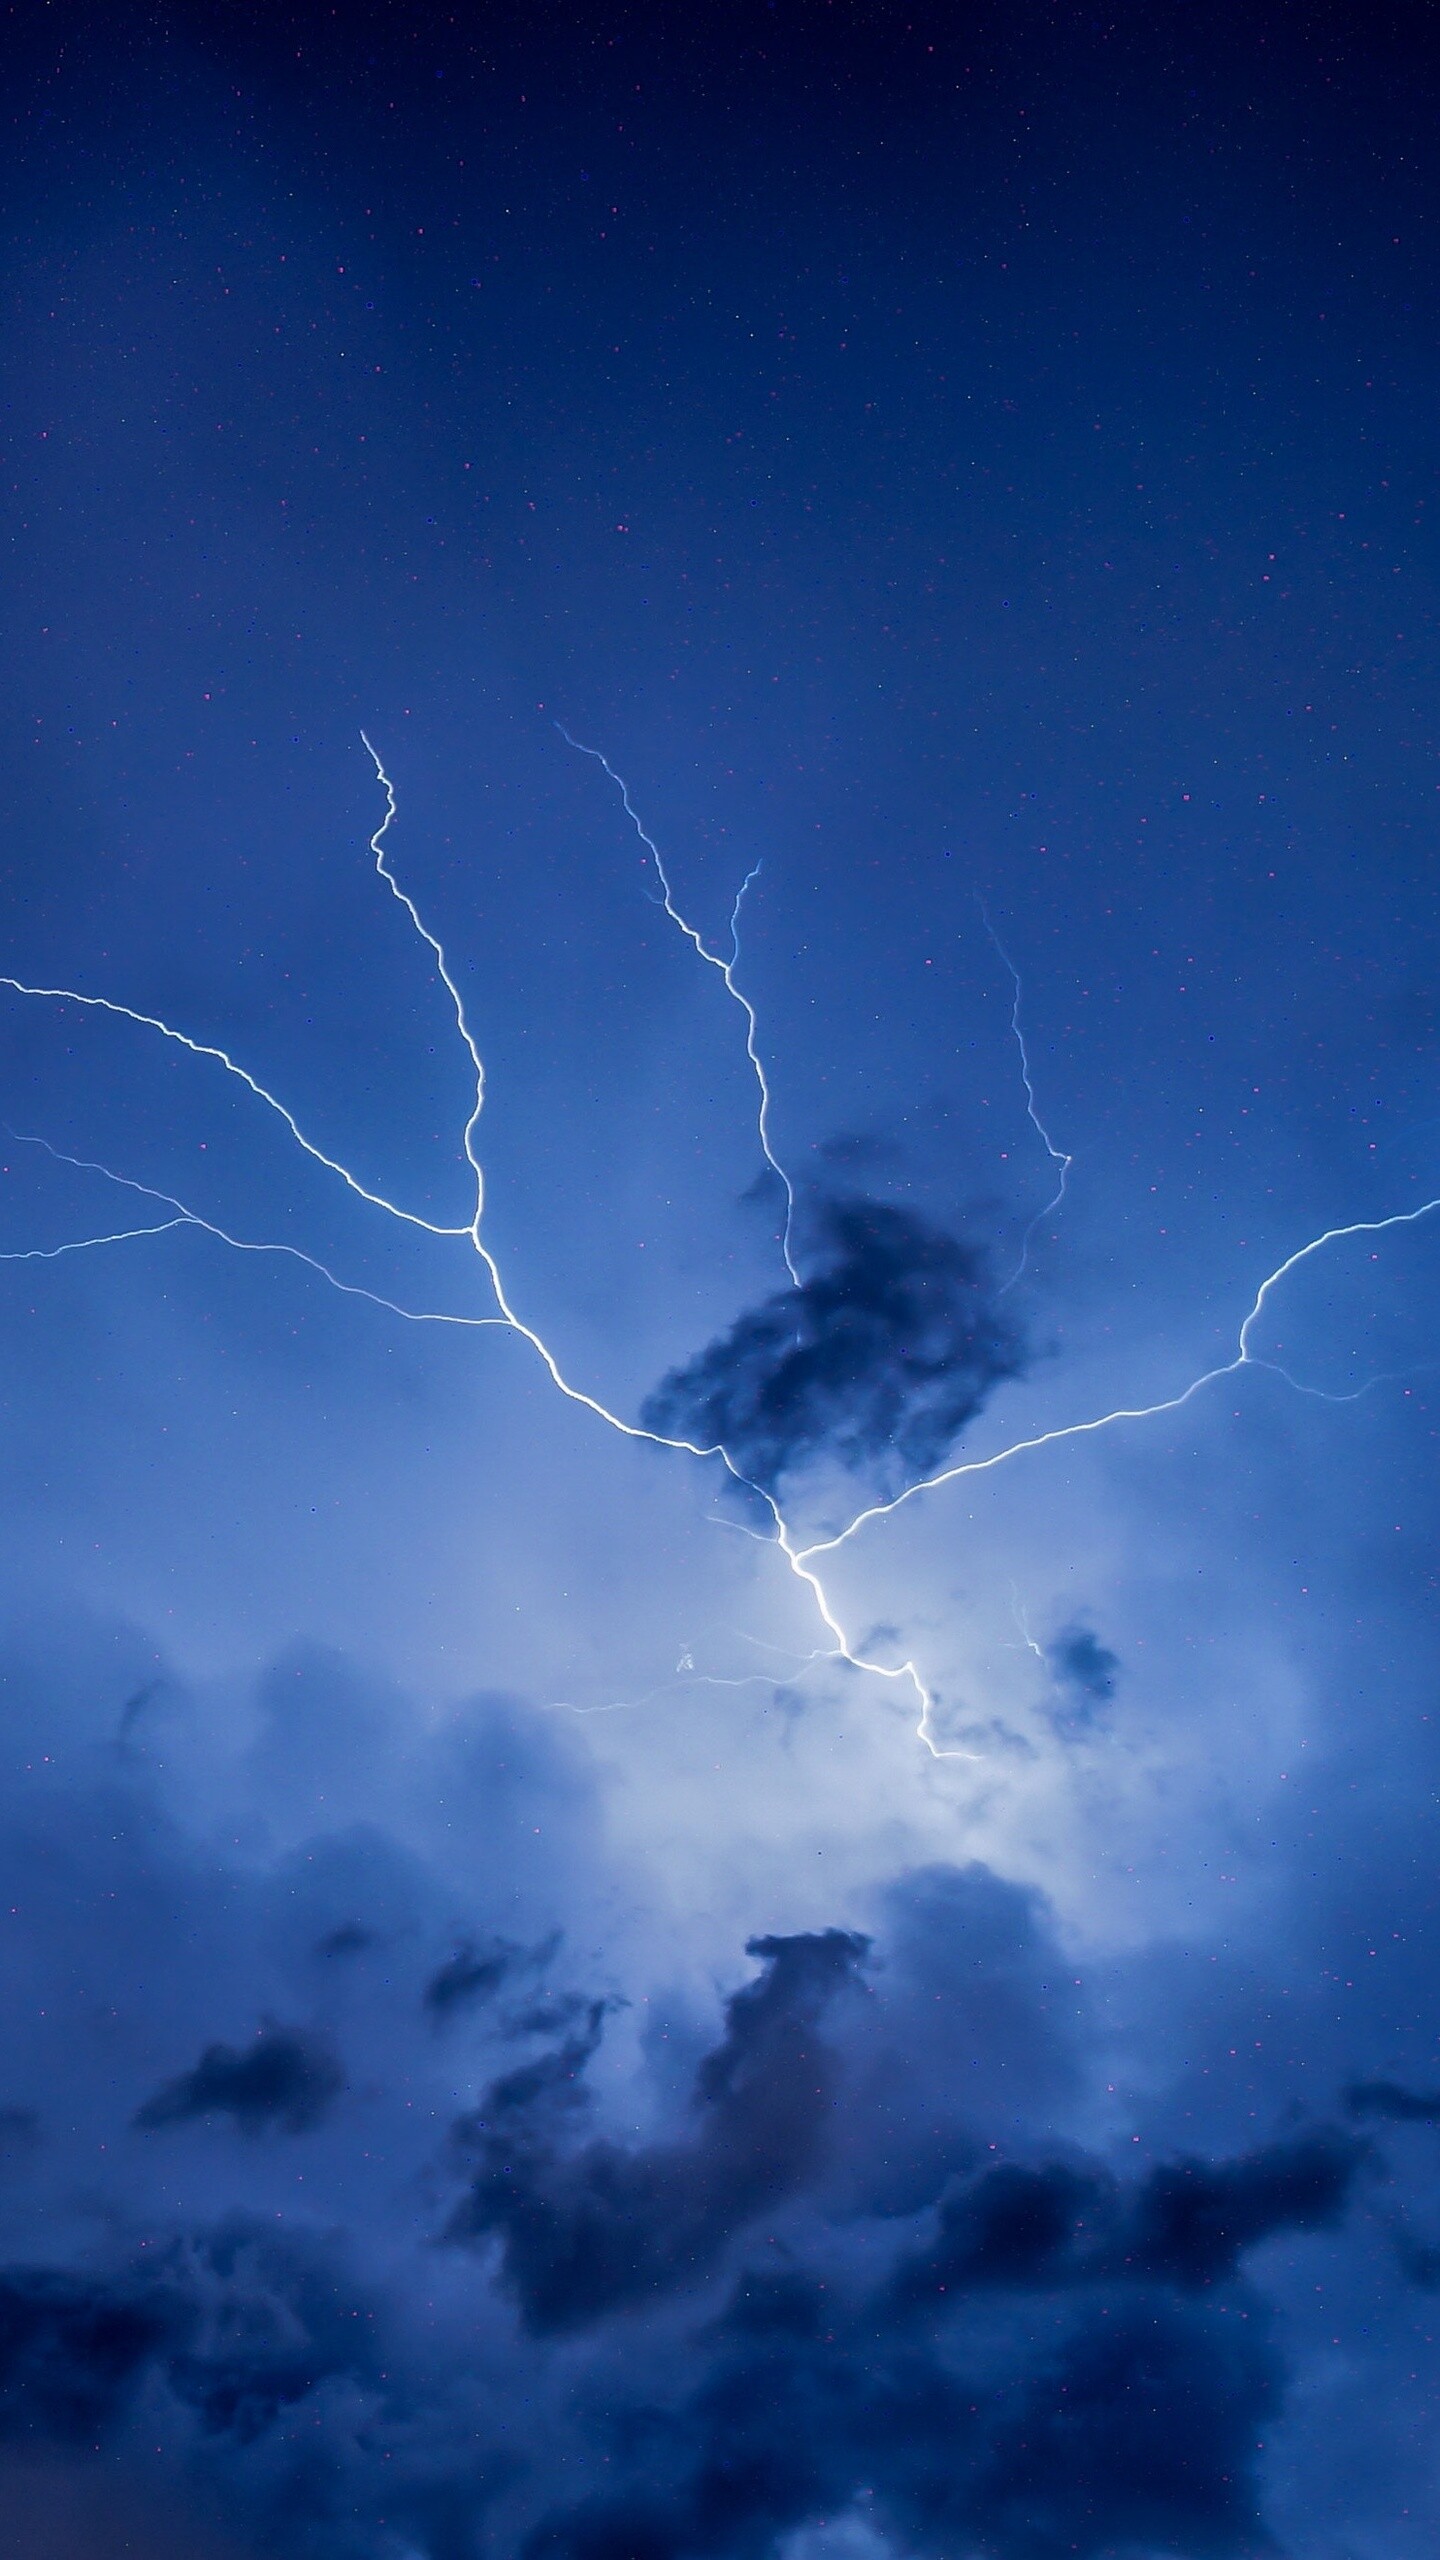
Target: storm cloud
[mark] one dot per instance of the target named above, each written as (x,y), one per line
(285,2079)
(1046,2380)
(585,2232)
(844,2268)
(1390,2102)
(1187,2223)
(875,1362)
(1130,2427)
(1036,2356)
(474,1974)
(1085,1672)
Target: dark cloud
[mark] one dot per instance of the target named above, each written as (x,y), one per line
(1116,2424)
(474,1973)
(877,1361)
(1392,2103)
(549,2015)
(468,1976)
(1187,2223)
(241,2321)
(1032,2356)
(267,2318)
(853,2267)
(73,2348)
(285,2079)
(584,2232)
(1013,2226)
(1121,2418)
(1084,1669)
(1190,2222)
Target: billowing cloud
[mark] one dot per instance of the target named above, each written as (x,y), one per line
(1045,2379)
(1044,2358)
(877,2252)
(584,2232)
(73,2348)
(1187,2223)
(877,1361)
(1392,2102)
(285,2079)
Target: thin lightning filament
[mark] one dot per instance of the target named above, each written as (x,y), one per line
(803,1561)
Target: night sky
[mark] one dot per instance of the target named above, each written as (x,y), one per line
(720,1222)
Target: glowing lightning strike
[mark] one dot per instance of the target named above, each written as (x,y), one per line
(1244,1358)
(205,1049)
(577,1395)
(507,1317)
(1057,1155)
(712,960)
(188,1217)
(801,1560)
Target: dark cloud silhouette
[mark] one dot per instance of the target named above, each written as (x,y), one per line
(585,2232)
(1027,2356)
(474,1973)
(877,1361)
(266,2319)
(974,2022)
(1084,1669)
(549,2015)
(468,1976)
(1012,2226)
(73,2348)
(240,2321)
(1191,2221)
(1393,2104)
(851,2269)
(1187,2223)
(1128,2423)
(285,2079)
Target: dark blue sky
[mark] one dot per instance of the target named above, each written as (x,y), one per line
(536,2027)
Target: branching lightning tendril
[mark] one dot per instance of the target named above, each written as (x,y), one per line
(802,1561)
(1057,1155)
(188,1217)
(726,969)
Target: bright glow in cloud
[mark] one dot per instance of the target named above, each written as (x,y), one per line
(804,1559)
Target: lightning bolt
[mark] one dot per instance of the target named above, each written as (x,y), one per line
(1244,1358)
(726,969)
(1057,1155)
(802,1561)
(187,1217)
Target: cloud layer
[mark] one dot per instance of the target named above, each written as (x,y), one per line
(425,2253)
